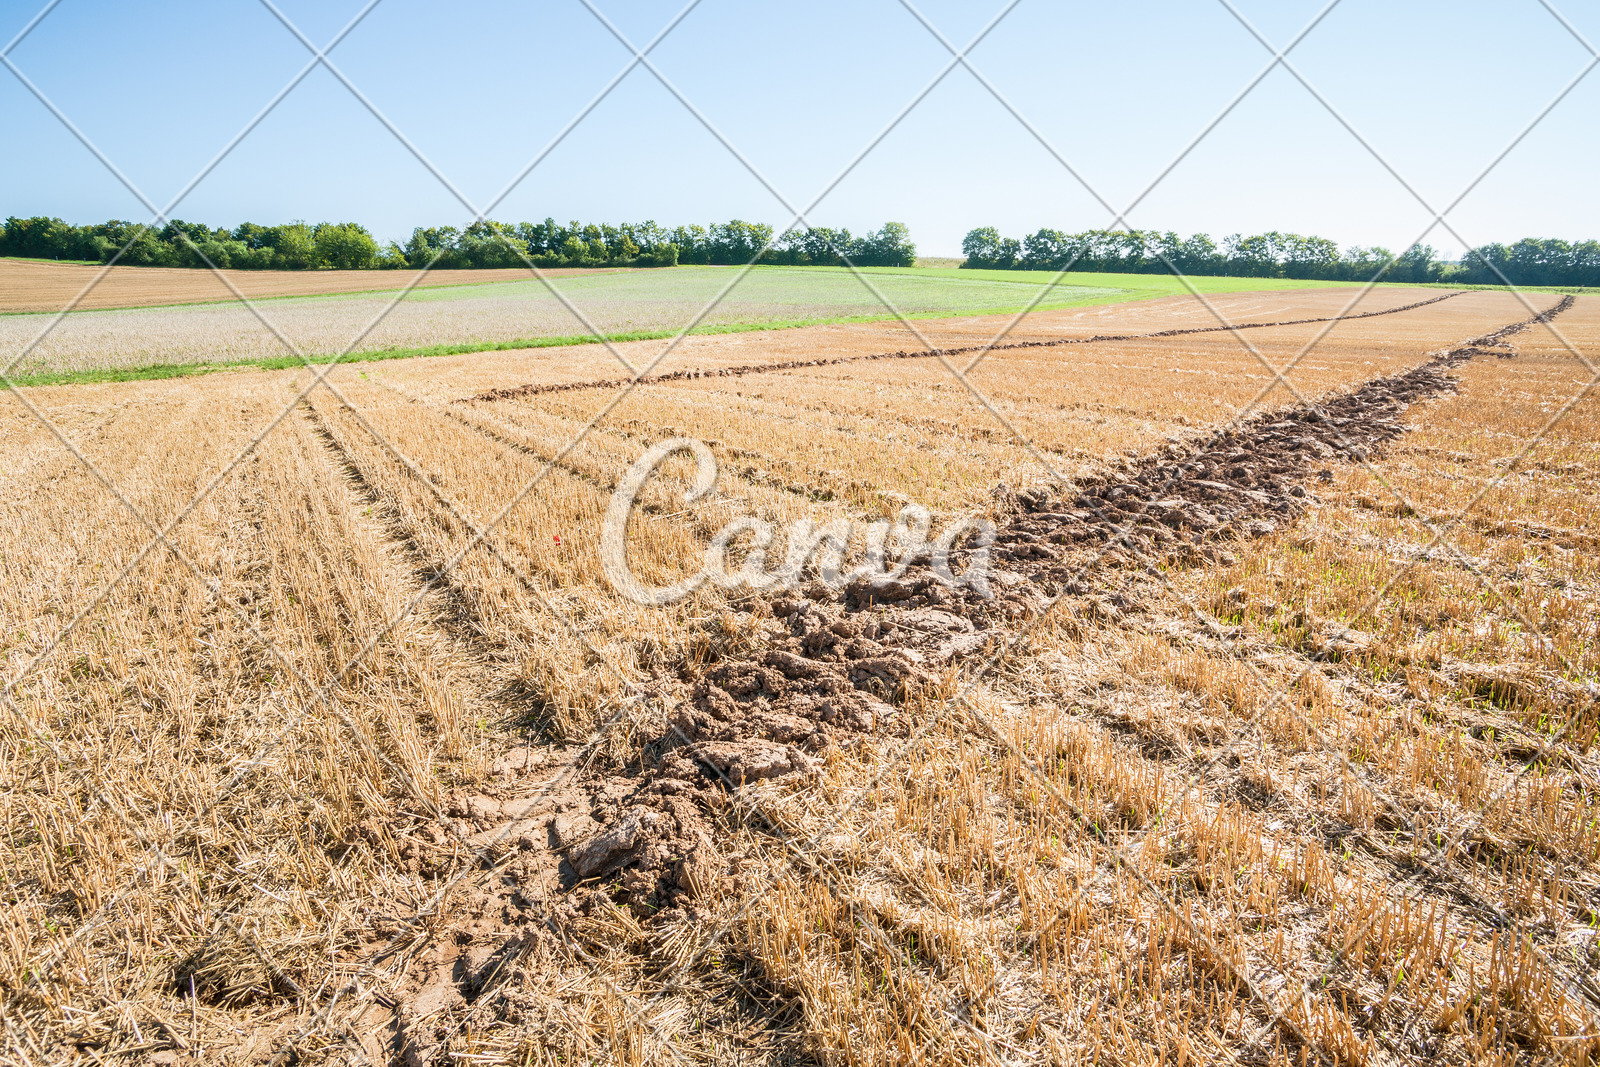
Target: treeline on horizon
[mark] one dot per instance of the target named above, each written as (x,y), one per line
(349,246)
(1530,261)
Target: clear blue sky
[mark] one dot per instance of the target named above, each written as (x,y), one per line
(800,88)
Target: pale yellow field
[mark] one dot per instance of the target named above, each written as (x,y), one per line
(1325,794)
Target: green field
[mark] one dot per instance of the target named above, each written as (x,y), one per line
(171,341)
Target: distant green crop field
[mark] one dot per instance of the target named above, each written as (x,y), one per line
(629,305)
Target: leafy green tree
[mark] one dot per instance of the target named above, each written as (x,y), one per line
(574,252)
(1045,250)
(1309,257)
(344,246)
(489,244)
(38,238)
(392,257)
(737,241)
(294,247)
(145,249)
(1415,264)
(432,244)
(890,247)
(981,246)
(816,246)
(1198,255)
(1364,264)
(660,255)
(694,244)
(1249,257)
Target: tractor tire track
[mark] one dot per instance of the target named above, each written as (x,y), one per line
(449,607)
(638,432)
(834,663)
(537,388)
(827,666)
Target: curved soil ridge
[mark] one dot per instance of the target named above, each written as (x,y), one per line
(536,388)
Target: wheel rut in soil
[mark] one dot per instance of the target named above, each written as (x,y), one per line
(756,467)
(835,663)
(830,666)
(446,607)
(536,388)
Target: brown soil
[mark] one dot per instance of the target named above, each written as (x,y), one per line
(30,286)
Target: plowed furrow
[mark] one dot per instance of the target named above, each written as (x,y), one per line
(440,601)
(536,388)
(838,661)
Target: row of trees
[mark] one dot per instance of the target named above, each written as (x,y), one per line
(1531,261)
(349,246)
(248,246)
(1534,261)
(647,244)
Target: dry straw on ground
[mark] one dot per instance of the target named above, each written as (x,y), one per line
(237,832)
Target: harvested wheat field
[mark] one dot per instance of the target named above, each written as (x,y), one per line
(31,285)
(1258,724)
